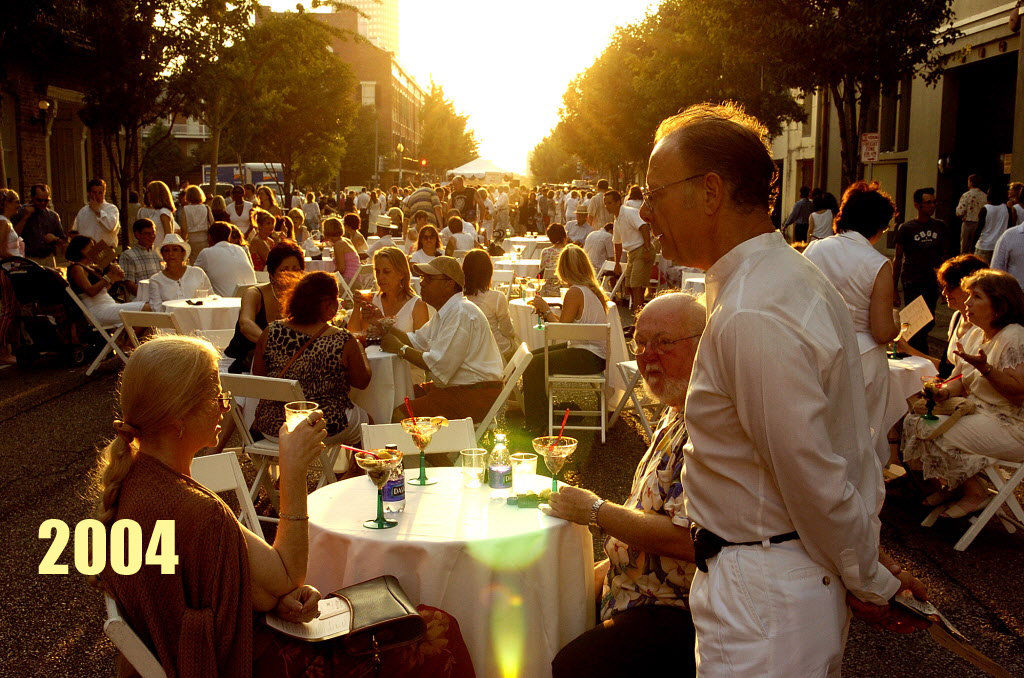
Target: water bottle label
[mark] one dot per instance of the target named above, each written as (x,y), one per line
(499,477)
(394,490)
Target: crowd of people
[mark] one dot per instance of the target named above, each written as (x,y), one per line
(741,539)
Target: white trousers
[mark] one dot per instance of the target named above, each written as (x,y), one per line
(768,611)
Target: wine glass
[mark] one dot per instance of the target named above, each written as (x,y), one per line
(422,429)
(378,465)
(896,353)
(556,452)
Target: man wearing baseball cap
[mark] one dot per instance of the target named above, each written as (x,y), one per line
(456,346)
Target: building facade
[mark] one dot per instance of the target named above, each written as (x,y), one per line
(971,121)
(380,23)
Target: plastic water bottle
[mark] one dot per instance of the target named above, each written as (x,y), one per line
(394,488)
(499,470)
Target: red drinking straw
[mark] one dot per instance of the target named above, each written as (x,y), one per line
(356,449)
(943,383)
(561,430)
(408,408)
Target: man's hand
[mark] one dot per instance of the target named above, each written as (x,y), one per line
(391,343)
(300,605)
(572,504)
(889,617)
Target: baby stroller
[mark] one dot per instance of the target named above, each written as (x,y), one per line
(45,320)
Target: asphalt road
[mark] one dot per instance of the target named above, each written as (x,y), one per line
(51,422)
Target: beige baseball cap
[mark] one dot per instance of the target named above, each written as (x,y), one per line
(446,266)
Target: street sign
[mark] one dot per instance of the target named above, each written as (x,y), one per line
(870,142)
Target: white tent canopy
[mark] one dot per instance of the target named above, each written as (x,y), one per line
(481,168)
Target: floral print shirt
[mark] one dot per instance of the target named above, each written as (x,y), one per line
(634,577)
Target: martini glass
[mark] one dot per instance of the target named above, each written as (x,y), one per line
(555,452)
(896,353)
(422,429)
(378,465)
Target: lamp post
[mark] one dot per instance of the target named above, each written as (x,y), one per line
(401,149)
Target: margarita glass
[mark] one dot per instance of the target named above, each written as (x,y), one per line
(378,465)
(555,452)
(422,429)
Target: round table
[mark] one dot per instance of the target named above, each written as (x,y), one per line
(390,384)
(520,583)
(215,313)
(524,268)
(905,379)
(326,265)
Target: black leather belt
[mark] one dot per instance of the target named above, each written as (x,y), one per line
(707,544)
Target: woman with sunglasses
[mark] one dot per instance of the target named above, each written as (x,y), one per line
(178,280)
(428,246)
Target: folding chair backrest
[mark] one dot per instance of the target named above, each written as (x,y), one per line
(262,276)
(219,338)
(160,321)
(513,372)
(262,388)
(240,289)
(555,333)
(345,290)
(129,643)
(221,473)
(458,435)
(503,276)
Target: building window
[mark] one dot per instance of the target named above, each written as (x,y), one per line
(894,115)
(368,93)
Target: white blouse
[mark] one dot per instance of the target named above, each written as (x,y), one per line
(403,319)
(162,288)
(420,257)
(494,304)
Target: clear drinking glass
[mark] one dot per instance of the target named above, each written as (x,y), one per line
(474,465)
(378,465)
(524,466)
(297,412)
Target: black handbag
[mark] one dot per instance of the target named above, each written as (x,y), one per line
(383,617)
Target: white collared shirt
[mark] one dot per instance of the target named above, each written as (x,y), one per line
(599,248)
(459,348)
(626,231)
(105,227)
(228,266)
(162,288)
(779,437)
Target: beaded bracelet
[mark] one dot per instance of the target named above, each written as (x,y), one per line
(285,516)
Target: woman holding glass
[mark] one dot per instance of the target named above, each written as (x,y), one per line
(864,278)
(200,619)
(178,280)
(428,245)
(585,303)
(394,298)
(325,360)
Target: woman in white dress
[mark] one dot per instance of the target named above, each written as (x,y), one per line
(478,269)
(196,219)
(428,244)
(92,285)
(820,220)
(11,244)
(178,280)
(864,278)
(394,297)
(158,197)
(991,372)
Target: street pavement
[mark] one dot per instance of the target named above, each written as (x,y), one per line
(53,420)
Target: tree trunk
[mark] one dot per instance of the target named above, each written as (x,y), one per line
(844,98)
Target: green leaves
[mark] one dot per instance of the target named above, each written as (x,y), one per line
(446,142)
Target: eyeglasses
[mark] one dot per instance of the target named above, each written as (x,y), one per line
(657,345)
(224,400)
(649,192)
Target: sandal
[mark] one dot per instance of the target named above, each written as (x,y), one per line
(965,507)
(937,498)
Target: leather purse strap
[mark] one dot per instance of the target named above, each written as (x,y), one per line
(302,349)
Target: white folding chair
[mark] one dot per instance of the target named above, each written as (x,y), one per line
(364,279)
(128,642)
(104,331)
(631,375)
(503,277)
(240,290)
(343,288)
(152,319)
(555,333)
(513,373)
(450,440)
(265,452)
(262,276)
(1004,498)
(221,473)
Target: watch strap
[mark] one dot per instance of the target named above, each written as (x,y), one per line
(594,509)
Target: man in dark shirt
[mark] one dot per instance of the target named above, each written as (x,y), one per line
(800,216)
(922,244)
(463,199)
(40,227)
(424,198)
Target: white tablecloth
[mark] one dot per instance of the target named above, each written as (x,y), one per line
(520,583)
(326,265)
(904,380)
(524,268)
(524,320)
(390,384)
(216,313)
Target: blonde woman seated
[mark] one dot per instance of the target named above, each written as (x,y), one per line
(992,368)
(478,270)
(585,302)
(327,361)
(200,619)
(300,232)
(394,298)
(346,259)
(178,280)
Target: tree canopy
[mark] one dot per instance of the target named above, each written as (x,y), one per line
(446,142)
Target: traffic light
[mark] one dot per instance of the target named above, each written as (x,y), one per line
(423,162)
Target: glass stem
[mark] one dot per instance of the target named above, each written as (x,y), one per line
(380,506)
(423,466)
(554,483)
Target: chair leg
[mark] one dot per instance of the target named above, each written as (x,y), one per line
(990,510)
(328,457)
(551,408)
(604,413)
(1011,501)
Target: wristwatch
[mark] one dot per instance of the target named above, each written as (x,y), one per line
(594,508)
(402,350)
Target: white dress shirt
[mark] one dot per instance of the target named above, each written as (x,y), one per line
(577,232)
(599,248)
(463,241)
(627,229)
(421,257)
(459,348)
(384,241)
(162,288)
(240,220)
(362,201)
(105,227)
(227,266)
(779,439)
